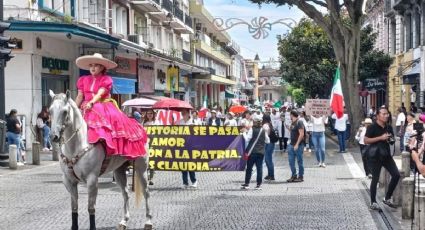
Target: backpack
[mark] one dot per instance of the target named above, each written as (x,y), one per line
(274,137)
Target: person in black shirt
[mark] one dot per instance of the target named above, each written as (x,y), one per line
(380,135)
(13,133)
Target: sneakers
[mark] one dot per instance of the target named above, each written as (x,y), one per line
(292,179)
(194,184)
(46,149)
(323,165)
(389,203)
(319,165)
(269,178)
(309,150)
(258,187)
(369,176)
(185,186)
(20,164)
(245,186)
(151,182)
(375,207)
(299,179)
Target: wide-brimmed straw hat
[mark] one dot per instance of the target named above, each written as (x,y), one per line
(97,58)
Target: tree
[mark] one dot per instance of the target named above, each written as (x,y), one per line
(299,96)
(308,39)
(342,25)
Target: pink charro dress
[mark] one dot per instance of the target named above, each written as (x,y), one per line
(122,135)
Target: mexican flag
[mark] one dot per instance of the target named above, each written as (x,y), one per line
(203,111)
(337,98)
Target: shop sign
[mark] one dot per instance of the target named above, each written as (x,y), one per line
(374,84)
(146,76)
(125,66)
(55,66)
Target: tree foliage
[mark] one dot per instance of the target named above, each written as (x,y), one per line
(308,60)
(299,96)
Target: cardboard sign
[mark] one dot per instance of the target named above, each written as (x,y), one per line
(320,107)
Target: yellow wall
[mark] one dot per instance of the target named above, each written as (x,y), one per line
(395,83)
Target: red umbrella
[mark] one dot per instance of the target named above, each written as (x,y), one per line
(237,109)
(172,104)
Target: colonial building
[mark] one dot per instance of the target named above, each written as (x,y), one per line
(270,88)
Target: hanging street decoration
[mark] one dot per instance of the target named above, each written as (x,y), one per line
(258,27)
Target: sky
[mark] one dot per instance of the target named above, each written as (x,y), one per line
(243,9)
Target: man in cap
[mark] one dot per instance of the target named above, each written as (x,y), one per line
(214,120)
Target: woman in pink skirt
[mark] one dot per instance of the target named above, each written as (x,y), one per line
(122,135)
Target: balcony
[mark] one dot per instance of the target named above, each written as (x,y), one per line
(148,5)
(167,5)
(211,70)
(188,20)
(207,49)
(187,56)
(178,13)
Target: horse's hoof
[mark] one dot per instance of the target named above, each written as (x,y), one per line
(122,227)
(148,227)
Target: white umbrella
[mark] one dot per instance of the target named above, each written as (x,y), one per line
(140,102)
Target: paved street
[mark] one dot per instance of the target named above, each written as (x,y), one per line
(35,198)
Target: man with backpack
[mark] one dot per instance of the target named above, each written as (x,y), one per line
(296,148)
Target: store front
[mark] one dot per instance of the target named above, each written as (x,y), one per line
(55,77)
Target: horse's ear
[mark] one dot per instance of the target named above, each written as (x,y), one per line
(68,95)
(51,93)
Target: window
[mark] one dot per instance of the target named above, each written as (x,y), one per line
(60,7)
(393,36)
(418,29)
(409,31)
(271,96)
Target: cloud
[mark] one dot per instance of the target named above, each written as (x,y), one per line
(266,48)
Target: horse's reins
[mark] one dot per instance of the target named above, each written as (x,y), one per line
(70,163)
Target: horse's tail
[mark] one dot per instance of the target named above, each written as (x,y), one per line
(138,190)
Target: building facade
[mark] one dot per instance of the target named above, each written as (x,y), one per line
(270,88)
(150,40)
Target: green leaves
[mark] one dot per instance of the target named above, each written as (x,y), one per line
(308,61)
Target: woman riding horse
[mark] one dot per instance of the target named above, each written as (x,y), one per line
(120,134)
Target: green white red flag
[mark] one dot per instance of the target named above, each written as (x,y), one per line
(337,98)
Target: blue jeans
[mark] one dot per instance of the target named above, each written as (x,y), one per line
(291,158)
(191,175)
(46,139)
(341,140)
(257,159)
(269,159)
(15,139)
(318,139)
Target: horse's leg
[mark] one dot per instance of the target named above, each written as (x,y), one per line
(121,179)
(141,165)
(72,188)
(92,188)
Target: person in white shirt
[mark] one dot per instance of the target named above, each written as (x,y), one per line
(195,119)
(214,120)
(230,121)
(246,120)
(285,129)
(399,124)
(275,117)
(341,127)
(187,121)
(318,138)
(360,138)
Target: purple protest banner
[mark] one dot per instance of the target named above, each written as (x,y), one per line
(195,148)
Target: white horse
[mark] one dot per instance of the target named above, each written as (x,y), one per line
(83,162)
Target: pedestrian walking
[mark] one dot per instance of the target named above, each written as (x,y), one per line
(285,130)
(408,130)
(195,119)
(230,121)
(379,136)
(214,120)
(246,120)
(296,147)
(341,127)
(256,138)
(186,120)
(361,132)
(318,138)
(269,149)
(13,133)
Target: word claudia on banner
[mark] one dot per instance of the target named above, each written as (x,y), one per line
(195,148)
(258,27)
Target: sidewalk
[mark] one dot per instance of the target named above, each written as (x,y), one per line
(393,215)
(45,159)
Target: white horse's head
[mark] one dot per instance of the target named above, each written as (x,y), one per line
(60,114)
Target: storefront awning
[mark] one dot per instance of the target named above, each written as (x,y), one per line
(228,94)
(215,79)
(412,76)
(123,85)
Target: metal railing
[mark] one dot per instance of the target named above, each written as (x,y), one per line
(168,5)
(178,13)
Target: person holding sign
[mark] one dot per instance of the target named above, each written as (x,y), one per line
(187,121)
(257,139)
(318,138)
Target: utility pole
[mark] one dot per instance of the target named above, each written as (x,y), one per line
(2,88)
